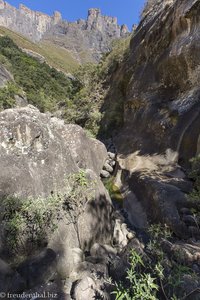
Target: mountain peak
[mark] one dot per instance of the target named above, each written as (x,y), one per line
(93,35)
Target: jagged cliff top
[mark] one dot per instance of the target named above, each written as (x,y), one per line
(86,39)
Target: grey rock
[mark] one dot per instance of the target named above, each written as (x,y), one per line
(111,155)
(135,212)
(21,101)
(160,201)
(85,289)
(95,224)
(95,271)
(5,76)
(90,280)
(10,280)
(93,35)
(85,233)
(105,174)
(38,152)
(68,286)
(107,167)
(130,235)
(120,234)
(112,163)
(25,21)
(51,290)
(38,269)
(185,211)
(170,113)
(195,268)
(103,251)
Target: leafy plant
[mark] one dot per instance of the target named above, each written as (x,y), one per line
(139,284)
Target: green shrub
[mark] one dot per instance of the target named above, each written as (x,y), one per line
(139,285)
(28,223)
(7,95)
(45,87)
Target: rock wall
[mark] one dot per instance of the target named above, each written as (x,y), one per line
(158,84)
(87,37)
(93,35)
(29,23)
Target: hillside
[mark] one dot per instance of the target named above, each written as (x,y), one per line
(56,57)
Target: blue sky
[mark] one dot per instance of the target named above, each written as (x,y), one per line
(127,11)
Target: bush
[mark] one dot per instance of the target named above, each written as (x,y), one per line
(28,223)
(7,95)
(139,285)
(45,87)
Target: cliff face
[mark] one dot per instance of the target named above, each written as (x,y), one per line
(159,81)
(25,21)
(86,39)
(92,36)
(158,86)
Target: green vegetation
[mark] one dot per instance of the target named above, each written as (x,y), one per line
(7,95)
(79,101)
(154,275)
(45,87)
(28,223)
(101,116)
(56,57)
(172,279)
(114,191)
(140,284)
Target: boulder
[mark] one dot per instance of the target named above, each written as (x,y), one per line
(38,152)
(111,155)
(51,290)
(98,250)
(38,269)
(108,167)
(10,280)
(85,289)
(94,224)
(105,174)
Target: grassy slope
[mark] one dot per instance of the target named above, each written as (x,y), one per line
(56,57)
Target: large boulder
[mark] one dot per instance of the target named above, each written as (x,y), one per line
(38,152)
(93,224)
(40,159)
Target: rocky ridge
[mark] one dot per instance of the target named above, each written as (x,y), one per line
(86,39)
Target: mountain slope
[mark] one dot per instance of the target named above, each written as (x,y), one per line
(85,39)
(56,57)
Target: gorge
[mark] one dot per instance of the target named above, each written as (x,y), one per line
(99,180)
